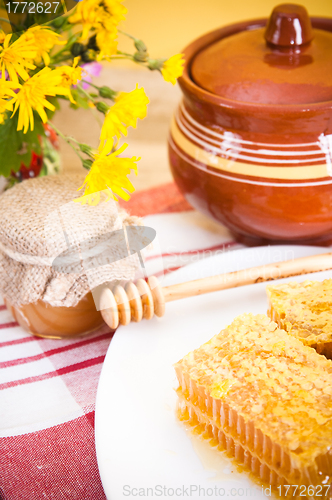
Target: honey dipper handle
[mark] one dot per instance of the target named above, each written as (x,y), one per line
(143,300)
(268,272)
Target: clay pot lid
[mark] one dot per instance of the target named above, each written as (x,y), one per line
(286,62)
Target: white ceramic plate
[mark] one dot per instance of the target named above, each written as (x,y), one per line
(142,449)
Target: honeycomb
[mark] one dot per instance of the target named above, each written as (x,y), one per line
(304,310)
(263,396)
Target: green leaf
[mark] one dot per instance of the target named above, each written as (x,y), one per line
(16,147)
(9,145)
(80,99)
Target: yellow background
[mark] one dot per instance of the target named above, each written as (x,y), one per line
(167,26)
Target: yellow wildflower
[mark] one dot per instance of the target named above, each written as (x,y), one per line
(116,10)
(109,173)
(173,68)
(44,40)
(96,14)
(2,36)
(87,13)
(107,44)
(32,96)
(70,75)
(15,58)
(128,107)
(6,91)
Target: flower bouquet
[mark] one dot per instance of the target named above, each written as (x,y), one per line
(45,61)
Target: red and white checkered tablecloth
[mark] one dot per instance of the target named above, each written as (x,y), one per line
(48,387)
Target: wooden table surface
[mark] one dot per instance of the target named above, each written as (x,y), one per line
(148,141)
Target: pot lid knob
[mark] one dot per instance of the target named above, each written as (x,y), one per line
(289,26)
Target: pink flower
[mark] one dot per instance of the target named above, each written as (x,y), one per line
(90,70)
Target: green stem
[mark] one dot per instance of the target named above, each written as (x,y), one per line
(66,27)
(117,58)
(86,94)
(62,51)
(91,84)
(70,42)
(96,115)
(66,138)
(98,88)
(125,54)
(7,21)
(127,34)
(66,58)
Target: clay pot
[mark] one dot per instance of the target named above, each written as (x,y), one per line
(251,142)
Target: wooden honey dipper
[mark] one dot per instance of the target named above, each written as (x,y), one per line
(144,299)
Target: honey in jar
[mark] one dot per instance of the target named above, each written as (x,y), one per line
(44,320)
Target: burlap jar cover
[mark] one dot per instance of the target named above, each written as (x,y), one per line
(40,221)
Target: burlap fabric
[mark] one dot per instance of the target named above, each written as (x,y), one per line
(40,221)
